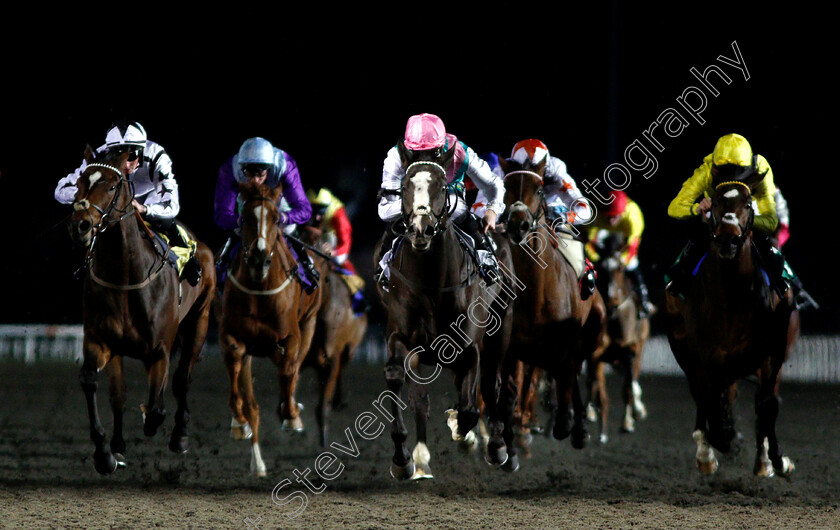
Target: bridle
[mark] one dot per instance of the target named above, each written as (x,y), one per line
(446,209)
(107,220)
(534,216)
(714,222)
(246,253)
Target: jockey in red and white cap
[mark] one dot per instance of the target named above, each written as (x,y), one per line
(562,196)
(426,132)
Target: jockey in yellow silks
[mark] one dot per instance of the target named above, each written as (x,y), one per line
(731,160)
(623,217)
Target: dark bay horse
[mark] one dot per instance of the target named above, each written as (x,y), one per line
(133,306)
(265,313)
(622,344)
(338,332)
(554,329)
(732,325)
(441,314)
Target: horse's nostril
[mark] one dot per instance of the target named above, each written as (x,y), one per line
(429,231)
(84,226)
(523,226)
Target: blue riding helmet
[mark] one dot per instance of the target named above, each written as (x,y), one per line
(256,151)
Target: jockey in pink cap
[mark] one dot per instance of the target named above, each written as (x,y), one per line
(426,132)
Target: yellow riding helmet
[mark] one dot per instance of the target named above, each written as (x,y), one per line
(732,149)
(322,196)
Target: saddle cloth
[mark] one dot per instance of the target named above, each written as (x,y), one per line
(178,256)
(356,285)
(572,250)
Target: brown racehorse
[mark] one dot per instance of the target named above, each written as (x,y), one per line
(623,342)
(732,325)
(265,313)
(338,333)
(554,329)
(134,306)
(441,314)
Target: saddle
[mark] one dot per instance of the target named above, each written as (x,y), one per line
(179,250)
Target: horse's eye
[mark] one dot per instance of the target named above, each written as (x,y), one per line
(113,187)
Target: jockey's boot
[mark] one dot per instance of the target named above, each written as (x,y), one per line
(773,262)
(646,308)
(587,280)
(191,270)
(484,256)
(387,243)
(309,269)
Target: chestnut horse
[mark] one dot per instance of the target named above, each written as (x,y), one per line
(440,313)
(338,333)
(133,306)
(265,313)
(731,325)
(554,329)
(623,342)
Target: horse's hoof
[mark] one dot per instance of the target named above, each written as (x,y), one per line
(104,462)
(293,425)
(580,437)
(562,430)
(640,413)
(240,431)
(152,420)
(628,427)
(763,469)
(591,412)
(496,456)
(121,461)
(179,444)
(512,464)
(523,439)
(602,438)
(422,472)
(708,468)
(787,468)
(403,472)
(536,429)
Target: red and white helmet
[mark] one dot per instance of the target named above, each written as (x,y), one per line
(531,150)
(424,131)
(618,204)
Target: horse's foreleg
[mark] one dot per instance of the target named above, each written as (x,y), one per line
(421,404)
(639,409)
(288,361)
(329,381)
(233,353)
(117,399)
(95,357)
(154,412)
(402,464)
(767,411)
(467,384)
(580,434)
(251,411)
(193,333)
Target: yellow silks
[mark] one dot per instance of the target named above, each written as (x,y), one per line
(183,253)
(324,196)
(732,149)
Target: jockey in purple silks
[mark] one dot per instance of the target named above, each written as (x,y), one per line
(259,161)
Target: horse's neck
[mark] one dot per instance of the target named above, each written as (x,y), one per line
(529,265)
(121,251)
(731,279)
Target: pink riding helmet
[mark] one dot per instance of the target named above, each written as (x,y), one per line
(424,131)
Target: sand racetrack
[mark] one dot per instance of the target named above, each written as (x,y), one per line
(643,480)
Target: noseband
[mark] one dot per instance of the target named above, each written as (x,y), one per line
(745,228)
(520,206)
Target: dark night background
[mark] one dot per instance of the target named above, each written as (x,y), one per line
(336,96)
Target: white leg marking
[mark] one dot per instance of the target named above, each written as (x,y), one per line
(257,464)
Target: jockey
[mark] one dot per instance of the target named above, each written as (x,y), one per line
(426,132)
(623,216)
(731,160)
(259,161)
(149,169)
(782,233)
(328,211)
(565,204)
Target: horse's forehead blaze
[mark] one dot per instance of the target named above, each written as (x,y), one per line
(92,178)
(421,182)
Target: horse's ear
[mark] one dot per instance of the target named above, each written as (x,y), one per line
(90,154)
(540,168)
(403,151)
(446,157)
(504,164)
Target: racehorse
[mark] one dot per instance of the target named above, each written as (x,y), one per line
(265,313)
(623,342)
(133,306)
(338,332)
(553,329)
(731,325)
(440,313)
